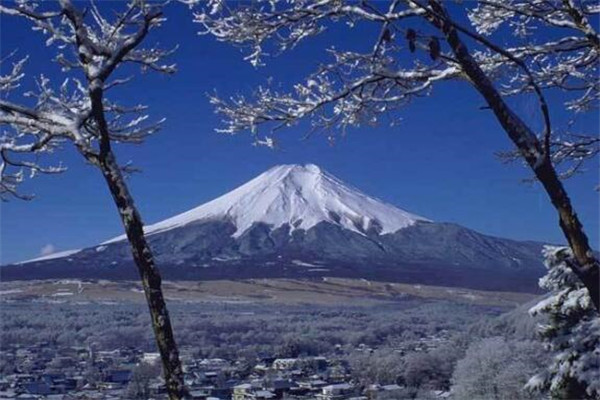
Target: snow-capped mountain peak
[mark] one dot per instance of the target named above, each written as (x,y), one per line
(299,195)
(221,239)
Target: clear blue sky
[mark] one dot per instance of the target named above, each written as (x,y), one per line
(438,163)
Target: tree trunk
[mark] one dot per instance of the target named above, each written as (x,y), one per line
(151,280)
(531,149)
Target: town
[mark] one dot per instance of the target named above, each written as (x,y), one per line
(79,372)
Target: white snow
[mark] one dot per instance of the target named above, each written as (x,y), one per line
(301,263)
(10,291)
(59,294)
(299,195)
(52,256)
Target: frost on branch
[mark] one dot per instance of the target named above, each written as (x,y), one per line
(253,25)
(14,168)
(90,48)
(345,93)
(12,79)
(571,333)
(406,58)
(568,61)
(353,89)
(569,152)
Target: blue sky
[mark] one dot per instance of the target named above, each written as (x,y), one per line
(439,162)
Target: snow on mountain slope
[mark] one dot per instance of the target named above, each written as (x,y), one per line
(235,237)
(298,195)
(59,254)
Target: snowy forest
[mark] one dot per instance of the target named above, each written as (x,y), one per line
(85,100)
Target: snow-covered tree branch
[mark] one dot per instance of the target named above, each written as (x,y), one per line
(90,48)
(357,87)
(66,112)
(335,97)
(354,88)
(36,139)
(567,62)
(569,152)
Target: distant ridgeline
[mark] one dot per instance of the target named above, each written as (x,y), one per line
(301,222)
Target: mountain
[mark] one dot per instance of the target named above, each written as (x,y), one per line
(300,221)
(296,195)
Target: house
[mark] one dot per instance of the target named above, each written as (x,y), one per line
(266,359)
(320,363)
(157,387)
(151,358)
(241,392)
(263,395)
(337,391)
(38,388)
(119,376)
(214,364)
(201,394)
(110,385)
(312,384)
(388,391)
(50,379)
(247,391)
(279,386)
(282,364)
(21,379)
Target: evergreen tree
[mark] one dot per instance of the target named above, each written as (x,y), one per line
(571,331)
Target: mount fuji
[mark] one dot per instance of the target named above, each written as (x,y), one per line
(299,221)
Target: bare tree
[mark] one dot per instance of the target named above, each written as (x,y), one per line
(90,49)
(404,63)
